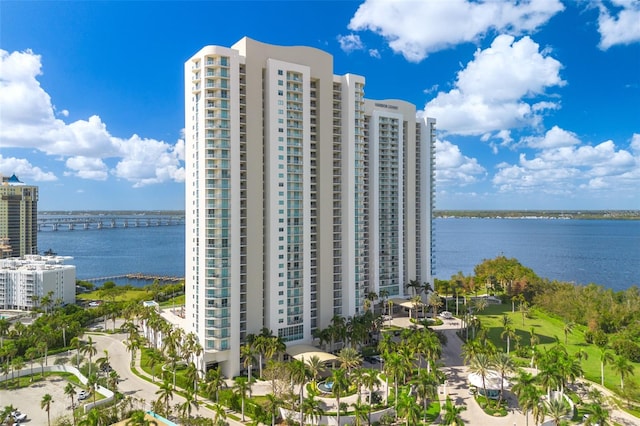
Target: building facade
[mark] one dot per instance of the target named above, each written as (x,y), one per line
(25,281)
(18,218)
(301,195)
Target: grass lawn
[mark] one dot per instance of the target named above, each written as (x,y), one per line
(136,295)
(549,330)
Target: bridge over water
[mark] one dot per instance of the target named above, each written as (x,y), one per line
(73,222)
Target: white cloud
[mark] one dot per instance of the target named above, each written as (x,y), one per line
(563,167)
(622,27)
(350,42)
(454,168)
(87,168)
(29,121)
(417,28)
(374,53)
(554,138)
(635,143)
(24,170)
(489,92)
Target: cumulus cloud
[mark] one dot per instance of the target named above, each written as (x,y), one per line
(564,165)
(554,138)
(350,42)
(24,170)
(417,28)
(491,92)
(29,121)
(454,168)
(618,22)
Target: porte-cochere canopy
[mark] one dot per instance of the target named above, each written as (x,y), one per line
(305,352)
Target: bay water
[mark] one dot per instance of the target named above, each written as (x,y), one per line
(604,252)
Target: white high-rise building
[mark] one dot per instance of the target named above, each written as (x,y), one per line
(301,196)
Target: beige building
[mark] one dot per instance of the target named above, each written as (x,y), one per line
(18,218)
(301,196)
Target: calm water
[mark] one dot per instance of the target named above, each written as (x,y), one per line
(604,252)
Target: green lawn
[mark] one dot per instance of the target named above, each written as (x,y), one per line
(549,330)
(127,295)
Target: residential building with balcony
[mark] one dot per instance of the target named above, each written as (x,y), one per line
(25,281)
(18,217)
(302,196)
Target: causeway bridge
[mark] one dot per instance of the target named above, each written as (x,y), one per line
(73,222)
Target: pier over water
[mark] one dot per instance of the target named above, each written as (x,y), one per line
(96,221)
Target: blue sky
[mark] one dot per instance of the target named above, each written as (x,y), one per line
(537,102)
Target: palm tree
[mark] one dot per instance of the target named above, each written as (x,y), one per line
(241,387)
(568,328)
(315,366)
(349,358)
(71,391)
(298,372)
(271,405)
(137,418)
(90,350)
(452,413)
(503,363)
(622,366)
(426,387)
(191,374)
(340,385)
(509,333)
(360,412)
(408,409)
(221,413)
(598,415)
(45,404)
(77,343)
(605,357)
(311,408)
(214,381)
(481,364)
(396,365)
(165,394)
(556,409)
(247,353)
(190,402)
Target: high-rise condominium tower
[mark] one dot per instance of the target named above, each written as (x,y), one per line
(18,218)
(301,195)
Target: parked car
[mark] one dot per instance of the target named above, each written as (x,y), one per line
(18,416)
(446,314)
(82,395)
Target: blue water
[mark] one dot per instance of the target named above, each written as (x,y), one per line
(605,252)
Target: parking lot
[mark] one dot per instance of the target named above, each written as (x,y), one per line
(27,400)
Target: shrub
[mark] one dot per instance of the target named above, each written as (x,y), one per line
(628,349)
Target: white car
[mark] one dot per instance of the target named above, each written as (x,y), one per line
(446,314)
(83,395)
(18,416)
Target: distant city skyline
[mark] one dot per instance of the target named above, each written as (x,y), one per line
(537,104)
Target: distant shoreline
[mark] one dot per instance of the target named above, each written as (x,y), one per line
(539,214)
(442,214)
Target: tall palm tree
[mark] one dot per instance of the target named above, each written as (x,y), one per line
(606,357)
(241,387)
(30,354)
(247,353)
(340,385)
(315,366)
(90,350)
(426,387)
(76,342)
(360,412)
(220,413)
(397,366)
(481,364)
(165,394)
(190,402)
(70,390)
(452,413)
(299,373)
(622,366)
(503,363)
(154,359)
(45,404)
(568,328)
(508,332)
(214,381)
